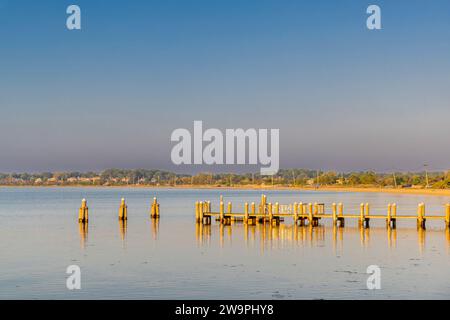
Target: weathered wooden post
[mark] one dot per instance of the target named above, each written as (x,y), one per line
(277,212)
(310,208)
(394,215)
(334,210)
(197,212)
(341,214)
(367,214)
(221,211)
(295,213)
(389,215)
(254,218)
(154,211)
(301,212)
(421,215)
(83,213)
(361,215)
(246,213)
(201,212)
(269,208)
(123,210)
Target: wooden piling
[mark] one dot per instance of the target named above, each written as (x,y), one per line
(246,213)
(310,213)
(196,212)
(154,211)
(123,210)
(367,220)
(341,214)
(295,213)
(198,208)
(334,211)
(389,215)
(262,205)
(269,208)
(301,212)
(221,211)
(201,211)
(361,215)
(421,215)
(83,213)
(254,218)
(277,212)
(394,215)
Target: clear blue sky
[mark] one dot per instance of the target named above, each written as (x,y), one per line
(344,97)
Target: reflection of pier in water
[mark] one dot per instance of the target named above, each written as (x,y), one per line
(123,230)
(155,228)
(266,236)
(83,230)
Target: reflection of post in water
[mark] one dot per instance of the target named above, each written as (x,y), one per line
(317,234)
(202,233)
(421,233)
(123,229)
(392,237)
(229,232)
(83,229)
(155,227)
(221,234)
(295,231)
(364,234)
(338,238)
(198,232)
(222,228)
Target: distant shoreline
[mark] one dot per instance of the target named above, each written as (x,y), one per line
(413,191)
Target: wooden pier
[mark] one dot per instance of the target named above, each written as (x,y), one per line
(307,213)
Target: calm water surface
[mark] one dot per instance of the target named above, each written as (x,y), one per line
(175,259)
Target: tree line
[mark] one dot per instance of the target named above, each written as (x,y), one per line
(285,177)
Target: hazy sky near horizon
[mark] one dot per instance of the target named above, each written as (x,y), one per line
(110,95)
